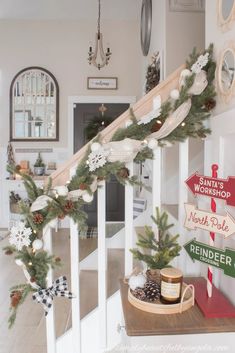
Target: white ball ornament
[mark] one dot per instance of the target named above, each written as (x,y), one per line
(152,144)
(37,244)
(95,146)
(185,73)
(19,262)
(137,281)
(87,197)
(175,94)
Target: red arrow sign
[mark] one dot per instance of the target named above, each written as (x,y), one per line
(223,189)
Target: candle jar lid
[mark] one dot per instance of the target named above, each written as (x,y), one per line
(171,272)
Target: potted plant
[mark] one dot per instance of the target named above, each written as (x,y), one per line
(39,166)
(163,247)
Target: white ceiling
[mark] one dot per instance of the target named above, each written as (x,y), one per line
(69,9)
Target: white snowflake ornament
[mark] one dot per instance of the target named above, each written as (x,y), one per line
(97,159)
(200,63)
(19,236)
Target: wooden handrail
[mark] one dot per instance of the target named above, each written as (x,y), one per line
(140,108)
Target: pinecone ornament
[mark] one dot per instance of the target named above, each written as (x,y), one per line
(38,218)
(152,291)
(139,293)
(83,186)
(210,104)
(69,206)
(15,298)
(123,173)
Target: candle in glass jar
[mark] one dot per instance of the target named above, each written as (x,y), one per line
(171,285)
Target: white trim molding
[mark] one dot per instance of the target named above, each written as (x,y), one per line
(187,5)
(90,99)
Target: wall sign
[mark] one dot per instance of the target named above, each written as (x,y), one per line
(212,222)
(102,83)
(223,189)
(222,259)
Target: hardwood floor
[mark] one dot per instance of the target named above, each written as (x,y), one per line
(28,334)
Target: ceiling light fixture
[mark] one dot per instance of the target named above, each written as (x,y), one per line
(94,56)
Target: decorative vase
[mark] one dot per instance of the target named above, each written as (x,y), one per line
(153,275)
(39,170)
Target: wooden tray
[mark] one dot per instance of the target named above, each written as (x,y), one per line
(187,301)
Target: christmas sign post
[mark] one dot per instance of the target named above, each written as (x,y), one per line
(222,259)
(223,189)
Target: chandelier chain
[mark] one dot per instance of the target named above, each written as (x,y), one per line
(99,12)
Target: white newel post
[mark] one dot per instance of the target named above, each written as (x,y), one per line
(75,287)
(183,195)
(50,318)
(129,223)
(75,284)
(156,182)
(102,265)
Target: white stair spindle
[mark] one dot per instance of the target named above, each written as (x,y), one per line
(129,224)
(183,195)
(102,265)
(75,284)
(156,182)
(75,287)
(50,318)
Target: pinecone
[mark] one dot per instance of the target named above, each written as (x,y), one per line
(139,293)
(152,291)
(69,206)
(8,252)
(123,173)
(57,259)
(38,218)
(210,104)
(15,298)
(83,186)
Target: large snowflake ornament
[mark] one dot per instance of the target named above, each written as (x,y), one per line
(97,159)
(200,63)
(19,236)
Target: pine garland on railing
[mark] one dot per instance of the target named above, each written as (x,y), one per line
(181,116)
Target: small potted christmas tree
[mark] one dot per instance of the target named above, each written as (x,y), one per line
(163,246)
(39,166)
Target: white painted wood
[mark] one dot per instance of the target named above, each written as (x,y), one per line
(73,100)
(156,181)
(102,265)
(75,287)
(129,224)
(183,196)
(50,319)
(75,284)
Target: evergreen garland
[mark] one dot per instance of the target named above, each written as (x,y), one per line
(166,248)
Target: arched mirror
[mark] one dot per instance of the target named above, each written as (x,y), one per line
(226,13)
(34,106)
(226,73)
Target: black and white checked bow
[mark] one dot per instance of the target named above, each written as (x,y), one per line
(59,288)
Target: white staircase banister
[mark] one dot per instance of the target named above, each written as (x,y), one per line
(156,182)
(75,283)
(50,318)
(102,265)
(183,195)
(129,200)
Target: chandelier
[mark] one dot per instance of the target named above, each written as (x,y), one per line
(98,58)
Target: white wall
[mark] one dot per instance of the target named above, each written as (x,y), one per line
(174,34)
(221,41)
(220,145)
(61,47)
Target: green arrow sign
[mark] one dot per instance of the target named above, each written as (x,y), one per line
(222,259)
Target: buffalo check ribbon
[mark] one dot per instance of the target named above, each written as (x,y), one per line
(59,288)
